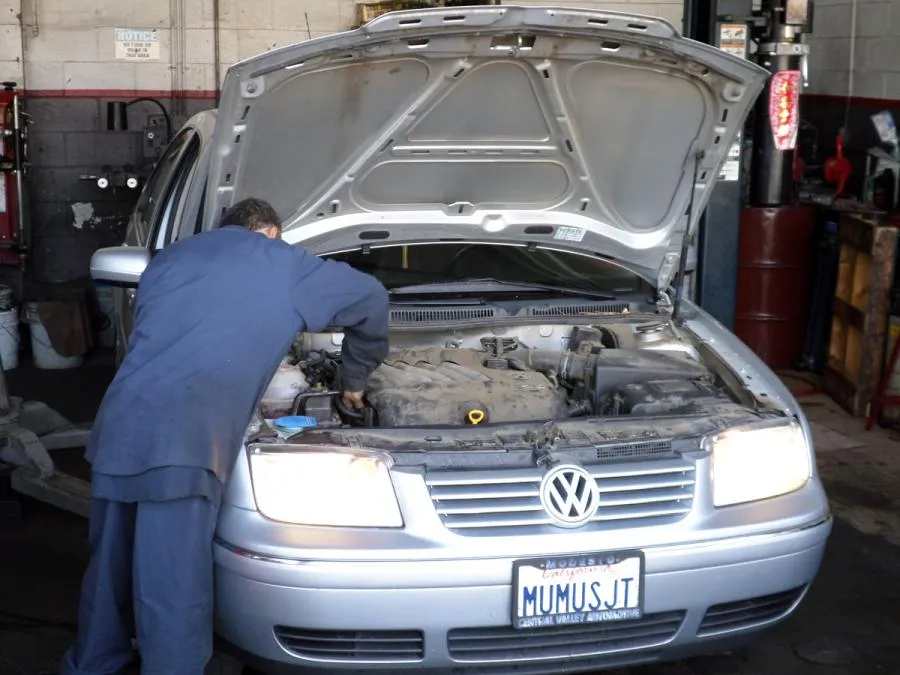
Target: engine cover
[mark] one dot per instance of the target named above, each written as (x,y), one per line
(437,386)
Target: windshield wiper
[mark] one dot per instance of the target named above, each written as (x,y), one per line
(476,286)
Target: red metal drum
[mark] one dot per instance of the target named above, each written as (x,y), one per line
(774,279)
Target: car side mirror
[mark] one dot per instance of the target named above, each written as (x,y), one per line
(120,265)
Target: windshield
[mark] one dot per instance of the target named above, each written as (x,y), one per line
(397,266)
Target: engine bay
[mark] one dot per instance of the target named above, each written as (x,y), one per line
(478,376)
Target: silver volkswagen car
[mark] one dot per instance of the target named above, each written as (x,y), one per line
(563,465)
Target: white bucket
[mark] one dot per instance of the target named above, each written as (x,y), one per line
(9,338)
(6,298)
(106,302)
(45,357)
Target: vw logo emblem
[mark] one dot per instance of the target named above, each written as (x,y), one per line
(569,495)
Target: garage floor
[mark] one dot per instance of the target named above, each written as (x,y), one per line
(849,623)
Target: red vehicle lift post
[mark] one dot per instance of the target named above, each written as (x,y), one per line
(29,430)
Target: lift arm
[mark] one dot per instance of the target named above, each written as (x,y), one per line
(28,432)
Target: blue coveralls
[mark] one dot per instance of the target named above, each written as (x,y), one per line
(215,315)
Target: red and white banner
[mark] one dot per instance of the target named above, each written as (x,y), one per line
(784,108)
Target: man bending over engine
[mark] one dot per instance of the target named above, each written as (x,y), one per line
(215,315)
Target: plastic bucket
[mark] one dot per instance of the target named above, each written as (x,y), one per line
(9,338)
(6,298)
(45,357)
(106,303)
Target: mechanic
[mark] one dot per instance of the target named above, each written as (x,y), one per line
(215,315)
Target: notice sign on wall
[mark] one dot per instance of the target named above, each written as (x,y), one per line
(137,44)
(733,38)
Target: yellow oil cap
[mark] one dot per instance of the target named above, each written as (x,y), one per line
(475,416)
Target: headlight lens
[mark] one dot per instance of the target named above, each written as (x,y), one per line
(753,464)
(331,487)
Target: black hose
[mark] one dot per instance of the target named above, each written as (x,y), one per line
(337,400)
(581,409)
(165,113)
(347,410)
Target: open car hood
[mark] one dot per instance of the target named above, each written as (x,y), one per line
(571,128)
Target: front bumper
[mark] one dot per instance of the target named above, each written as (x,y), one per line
(454,615)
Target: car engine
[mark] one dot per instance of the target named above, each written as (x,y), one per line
(458,386)
(476,378)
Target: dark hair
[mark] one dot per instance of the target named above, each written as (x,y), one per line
(254,214)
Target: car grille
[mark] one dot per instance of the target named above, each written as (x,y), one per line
(591,664)
(476,645)
(632,495)
(622,452)
(745,614)
(371,645)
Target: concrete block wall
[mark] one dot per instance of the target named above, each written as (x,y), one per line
(65,53)
(874,42)
(876,49)
(10,41)
(70,46)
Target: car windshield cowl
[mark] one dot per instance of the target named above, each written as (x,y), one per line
(455,268)
(496,286)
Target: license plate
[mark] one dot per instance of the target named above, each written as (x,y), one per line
(578,589)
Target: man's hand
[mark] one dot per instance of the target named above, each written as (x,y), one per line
(354,399)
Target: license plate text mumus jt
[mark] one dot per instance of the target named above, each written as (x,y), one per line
(550,593)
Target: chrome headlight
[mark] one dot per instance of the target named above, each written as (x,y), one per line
(332,487)
(753,464)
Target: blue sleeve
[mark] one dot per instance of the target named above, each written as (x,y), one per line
(329,293)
